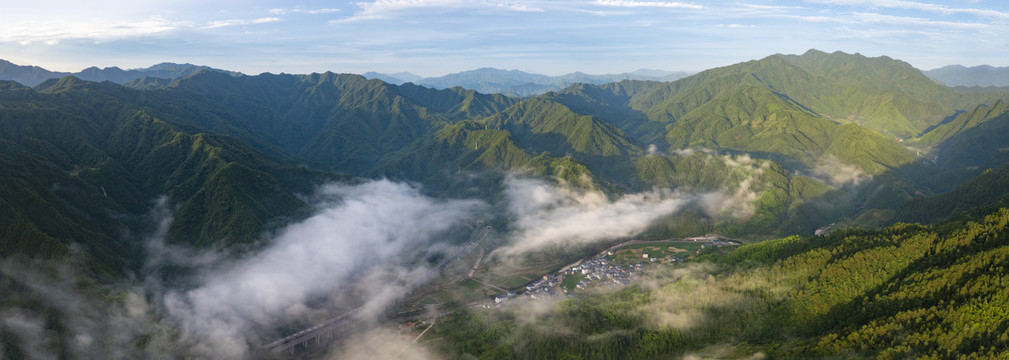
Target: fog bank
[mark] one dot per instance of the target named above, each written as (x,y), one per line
(355,228)
(547,215)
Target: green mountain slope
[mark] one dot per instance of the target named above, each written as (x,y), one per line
(757,120)
(777,146)
(886,95)
(989,188)
(200,139)
(883,94)
(981,139)
(456,103)
(611,103)
(752,119)
(530,136)
(85,165)
(904,292)
(333,121)
(770,107)
(961,122)
(467,147)
(543,125)
(756,196)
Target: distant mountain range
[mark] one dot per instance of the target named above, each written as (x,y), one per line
(520,83)
(34,75)
(809,121)
(485,80)
(959,75)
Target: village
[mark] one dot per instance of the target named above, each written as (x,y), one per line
(615,267)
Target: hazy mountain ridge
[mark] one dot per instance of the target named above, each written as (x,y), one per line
(519,83)
(981,75)
(34,75)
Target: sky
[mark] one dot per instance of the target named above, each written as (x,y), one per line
(436,37)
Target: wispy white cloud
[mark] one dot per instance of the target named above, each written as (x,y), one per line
(745,10)
(914,5)
(53,32)
(384,9)
(860,33)
(549,216)
(904,20)
(517,6)
(856,17)
(661,4)
(769,7)
(734,26)
(103,30)
(360,234)
(833,171)
(603,12)
(234,22)
(304,11)
(815,18)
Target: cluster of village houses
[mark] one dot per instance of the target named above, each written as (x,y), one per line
(597,272)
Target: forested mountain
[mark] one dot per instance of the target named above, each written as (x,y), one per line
(905,291)
(768,148)
(980,136)
(82,158)
(797,113)
(336,122)
(882,94)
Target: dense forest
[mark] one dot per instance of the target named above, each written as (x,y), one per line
(906,291)
(127,193)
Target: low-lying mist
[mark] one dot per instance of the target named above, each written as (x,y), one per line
(359,232)
(49,312)
(546,215)
(360,247)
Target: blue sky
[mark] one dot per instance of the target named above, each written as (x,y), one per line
(435,37)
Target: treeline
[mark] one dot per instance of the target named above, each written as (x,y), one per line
(908,291)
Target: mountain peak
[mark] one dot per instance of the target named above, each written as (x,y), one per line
(62,84)
(167,66)
(812,52)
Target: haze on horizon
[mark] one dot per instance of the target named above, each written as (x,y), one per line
(436,37)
